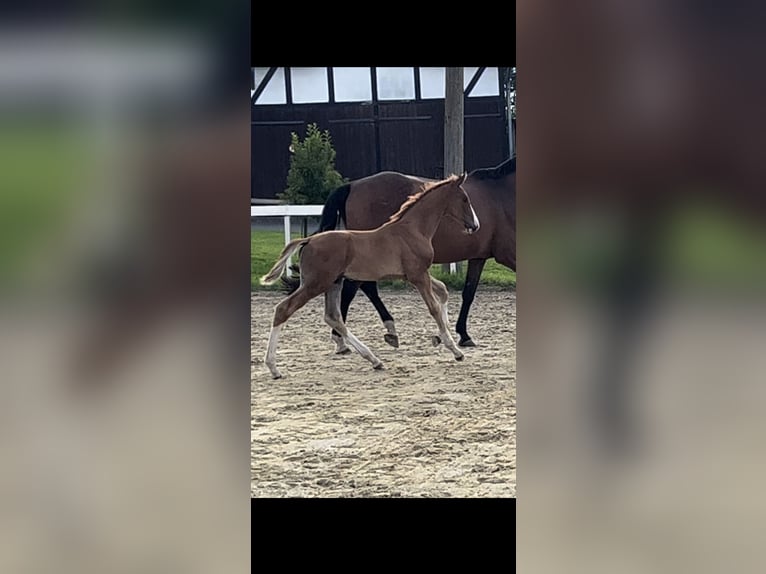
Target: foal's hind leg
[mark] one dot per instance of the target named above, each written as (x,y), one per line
(282,313)
(347,295)
(425,286)
(332,315)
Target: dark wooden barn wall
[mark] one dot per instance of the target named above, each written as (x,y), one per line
(398,136)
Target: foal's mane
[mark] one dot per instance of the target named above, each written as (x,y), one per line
(497,172)
(414,198)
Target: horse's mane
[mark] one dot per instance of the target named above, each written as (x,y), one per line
(497,172)
(414,198)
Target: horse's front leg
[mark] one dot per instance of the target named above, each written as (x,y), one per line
(475,267)
(423,284)
(370,288)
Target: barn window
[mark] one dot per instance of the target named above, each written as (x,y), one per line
(488,84)
(396,84)
(309,85)
(274,93)
(352,84)
(431,82)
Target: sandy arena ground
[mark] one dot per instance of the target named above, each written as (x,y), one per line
(426,426)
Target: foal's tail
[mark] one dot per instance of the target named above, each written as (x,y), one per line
(334,208)
(333,212)
(276,271)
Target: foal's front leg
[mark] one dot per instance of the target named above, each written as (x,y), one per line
(442,296)
(425,288)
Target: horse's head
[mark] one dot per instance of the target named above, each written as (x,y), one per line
(459,207)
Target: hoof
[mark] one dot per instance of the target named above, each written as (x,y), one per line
(460,358)
(466,343)
(343,351)
(392,340)
(436,340)
(378,367)
(276,375)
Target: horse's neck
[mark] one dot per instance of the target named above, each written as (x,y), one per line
(501,196)
(425,215)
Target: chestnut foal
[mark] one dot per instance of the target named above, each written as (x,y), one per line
(400,248)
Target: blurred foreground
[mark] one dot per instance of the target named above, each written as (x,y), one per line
(641,321)
(124,296)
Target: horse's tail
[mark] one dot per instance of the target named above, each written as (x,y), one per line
(279,266)
(334,208)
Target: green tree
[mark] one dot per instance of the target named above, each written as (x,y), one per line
(312,176)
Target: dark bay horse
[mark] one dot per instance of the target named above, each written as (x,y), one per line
(366,203)
(400,248)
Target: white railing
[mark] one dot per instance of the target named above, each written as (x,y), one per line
(285,211)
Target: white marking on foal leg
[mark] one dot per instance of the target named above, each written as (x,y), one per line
(271,352)
(449,342)
(362,349)
(446,338)
(436,340)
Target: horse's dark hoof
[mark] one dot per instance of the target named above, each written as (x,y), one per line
(392,340)
(436,340)
(345,351)
(466,343)
(378,367)
(460,358)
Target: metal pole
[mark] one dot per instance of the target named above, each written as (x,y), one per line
(287,240)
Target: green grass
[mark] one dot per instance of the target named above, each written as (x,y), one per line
(41,181)
(265,247)
(713,247)
(701,245)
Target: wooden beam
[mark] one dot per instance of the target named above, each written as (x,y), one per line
(374,83)
(417,82)
(288,86)
(453,121)
(454,101)
(330,84)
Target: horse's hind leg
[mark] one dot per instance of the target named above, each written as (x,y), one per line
(282,313)
(333,317)
(370,288)
(475,267)
(349,291)
(425,286)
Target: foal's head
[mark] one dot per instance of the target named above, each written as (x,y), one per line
(459,205)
